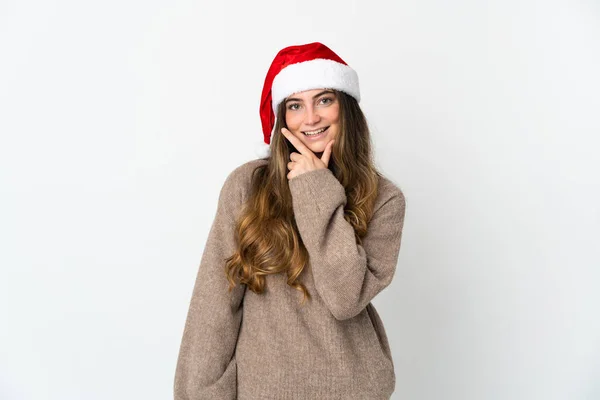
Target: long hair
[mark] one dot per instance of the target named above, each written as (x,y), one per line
(267,237)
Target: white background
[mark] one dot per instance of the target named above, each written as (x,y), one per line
(120,120)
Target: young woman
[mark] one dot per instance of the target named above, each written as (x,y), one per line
(301,243)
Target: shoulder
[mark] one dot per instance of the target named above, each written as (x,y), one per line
(246,169)
(389,191)
(238,181)
(242,175)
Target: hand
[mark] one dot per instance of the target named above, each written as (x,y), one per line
(306,160)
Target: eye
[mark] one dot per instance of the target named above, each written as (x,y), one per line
(291,106)
(326,100)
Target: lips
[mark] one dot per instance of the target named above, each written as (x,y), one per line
(316,130)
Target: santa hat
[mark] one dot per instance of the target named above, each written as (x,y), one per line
(299,68)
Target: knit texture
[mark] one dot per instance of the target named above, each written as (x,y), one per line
(246,346)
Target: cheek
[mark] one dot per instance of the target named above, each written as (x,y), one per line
(334,114)
(292,121)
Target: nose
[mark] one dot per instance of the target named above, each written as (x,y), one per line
(312,116)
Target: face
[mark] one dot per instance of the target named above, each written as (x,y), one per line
(311,111)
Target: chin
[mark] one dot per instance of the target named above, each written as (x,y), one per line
(316,147)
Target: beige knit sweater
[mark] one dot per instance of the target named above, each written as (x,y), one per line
(242,345)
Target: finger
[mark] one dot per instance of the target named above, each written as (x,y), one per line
(297,143)
(327,153)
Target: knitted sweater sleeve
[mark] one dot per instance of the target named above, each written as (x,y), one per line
(206,366)
(347,275)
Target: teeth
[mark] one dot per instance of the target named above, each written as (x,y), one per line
(314,132)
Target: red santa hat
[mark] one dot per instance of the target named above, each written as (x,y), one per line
(299,68)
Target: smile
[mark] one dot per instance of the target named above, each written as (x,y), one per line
(316,132)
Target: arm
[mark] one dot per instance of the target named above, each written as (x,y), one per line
(206,366)
(347,275)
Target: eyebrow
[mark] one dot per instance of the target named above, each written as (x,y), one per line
(314,97)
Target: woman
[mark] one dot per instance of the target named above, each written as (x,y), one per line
(301,243)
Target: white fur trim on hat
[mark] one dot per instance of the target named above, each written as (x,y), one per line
(314,74)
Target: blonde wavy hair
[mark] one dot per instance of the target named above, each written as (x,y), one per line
(267,237)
